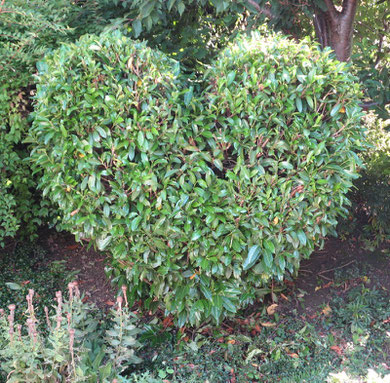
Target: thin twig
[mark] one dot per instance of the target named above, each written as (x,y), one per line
(305,271)
(336,268)
(323,276)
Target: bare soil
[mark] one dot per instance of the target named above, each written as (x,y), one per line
(341,265)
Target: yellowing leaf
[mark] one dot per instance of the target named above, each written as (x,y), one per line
(276,220)
(268,324)
(326,310)
(271,309)
(317,288)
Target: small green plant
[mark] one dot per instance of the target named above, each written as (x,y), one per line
(27,267)
(68,345)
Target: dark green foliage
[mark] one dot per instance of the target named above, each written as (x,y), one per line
(202,200)
(371,53)
(191,31)
(19,202)
(371,197)
(29,29)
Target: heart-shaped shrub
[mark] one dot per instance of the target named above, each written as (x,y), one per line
(203,199)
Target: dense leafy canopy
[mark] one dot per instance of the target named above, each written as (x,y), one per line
(201,198)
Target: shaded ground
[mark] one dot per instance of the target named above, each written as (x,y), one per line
(88,263)
(341,264)
(334,318)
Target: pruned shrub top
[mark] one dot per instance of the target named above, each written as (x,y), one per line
(201,198)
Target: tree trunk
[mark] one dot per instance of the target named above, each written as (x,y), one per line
(334,28)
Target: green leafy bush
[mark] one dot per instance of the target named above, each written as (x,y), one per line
(201,199)
(27,31)
(71,345)
(371,197)
(18,200)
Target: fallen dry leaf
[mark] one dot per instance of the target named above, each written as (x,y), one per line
(293,355)
(168,321)
(326,310)
(268,324)
(110,303)
(72,247)
(232,341)
(233,379)
(337,350)
(271,309)
(284,297)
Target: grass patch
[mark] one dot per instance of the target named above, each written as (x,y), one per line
(347,341)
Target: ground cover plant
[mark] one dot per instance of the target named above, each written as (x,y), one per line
(25,267)
(343,340)
(202,198)
(73,344)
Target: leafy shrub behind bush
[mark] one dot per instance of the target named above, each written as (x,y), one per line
(371,197)
(200,203)
(27,31)
(18,202)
